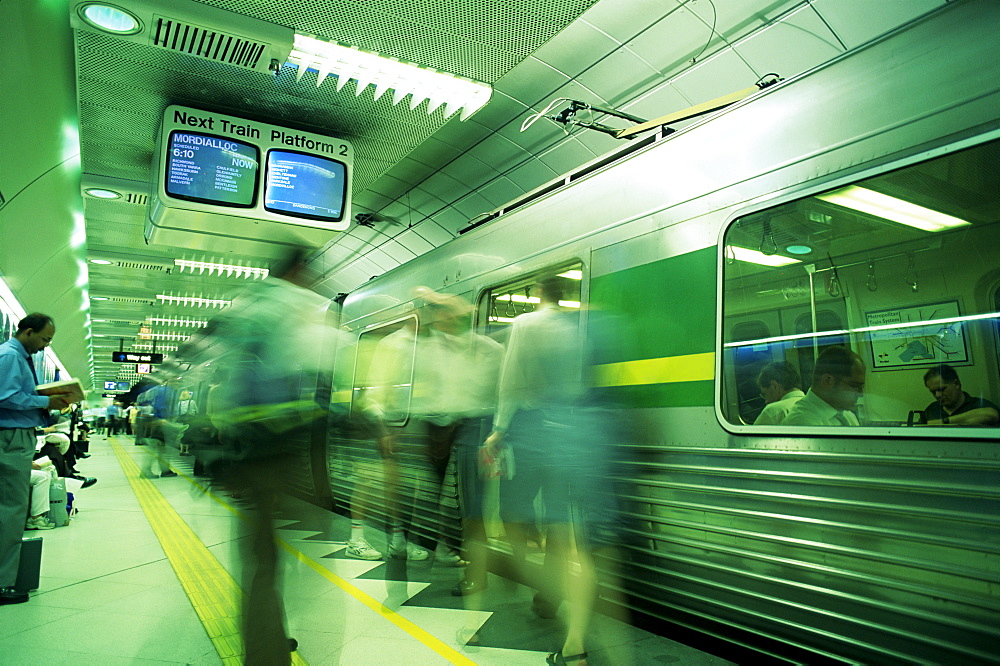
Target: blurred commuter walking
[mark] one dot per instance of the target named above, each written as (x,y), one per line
(270,343)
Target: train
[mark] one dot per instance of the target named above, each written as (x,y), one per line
(852,205)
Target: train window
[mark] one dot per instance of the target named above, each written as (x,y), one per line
(501,305)
(880,303)
(383,371)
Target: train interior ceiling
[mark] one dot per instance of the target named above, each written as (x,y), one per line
(85,115)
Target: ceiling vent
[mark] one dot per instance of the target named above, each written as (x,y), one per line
(137,199)
(144,267)
(122,299)
(192,28)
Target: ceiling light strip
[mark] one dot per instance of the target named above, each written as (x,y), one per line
(439,88)
(194,301)
(228,269)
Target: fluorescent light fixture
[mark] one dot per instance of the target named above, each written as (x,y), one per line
(194,301)
(99,298)
(892,209)
(569,304)
(215,267)
(572,275)
(503,320)
(175,321)
(178,337)
(755,257)
(102,262)
(110,18)
(101,193)
(387,73)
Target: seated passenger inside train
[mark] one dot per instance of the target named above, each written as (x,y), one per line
(838,382)
(781,388)
(954,406)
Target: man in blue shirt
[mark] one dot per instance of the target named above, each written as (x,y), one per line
(21,411)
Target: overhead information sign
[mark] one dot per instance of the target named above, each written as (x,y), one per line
(134,357)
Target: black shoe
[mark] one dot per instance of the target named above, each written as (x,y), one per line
(168,473)
(466,587)
(88,482)
(9,595)
(293,645)
(543,608)
(83,455)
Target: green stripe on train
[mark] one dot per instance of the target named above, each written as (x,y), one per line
(664,308)
(681,394)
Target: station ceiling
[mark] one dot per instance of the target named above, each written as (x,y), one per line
(419,179)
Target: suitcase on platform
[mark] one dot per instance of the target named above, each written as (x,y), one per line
(30,567)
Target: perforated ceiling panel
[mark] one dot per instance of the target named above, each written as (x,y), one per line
(478,39)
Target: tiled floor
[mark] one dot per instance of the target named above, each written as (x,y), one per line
(109,595)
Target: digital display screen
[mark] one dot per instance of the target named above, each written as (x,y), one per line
(123,386)
(110,386)
(143,368)
(303,185)
(211,169)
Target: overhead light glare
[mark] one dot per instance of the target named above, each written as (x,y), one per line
(518,298)
(228,269)
(756,257)
(102,262)
(110,18)
(438,88)
(196,301)
(798,249)
(177,321)
(572,275)
(99,298)
(890,208)
(100,193)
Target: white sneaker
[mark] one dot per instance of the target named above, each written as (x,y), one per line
(40,523)
(411,552)
(362,550)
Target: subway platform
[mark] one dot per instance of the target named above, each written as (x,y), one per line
(146,573)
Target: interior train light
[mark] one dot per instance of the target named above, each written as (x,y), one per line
(572,275)
(756,257)
(518,298)
(403,78)
(890,208)
(194,301)
(215,267)
(110,18)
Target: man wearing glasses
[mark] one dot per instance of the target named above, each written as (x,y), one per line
(21,411)
(838,382)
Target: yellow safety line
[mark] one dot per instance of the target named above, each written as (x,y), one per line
(429,640)
(214,594)
(665,370)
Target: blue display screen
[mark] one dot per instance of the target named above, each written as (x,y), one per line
(211,169)
(304,185)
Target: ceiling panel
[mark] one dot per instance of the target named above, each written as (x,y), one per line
(796,43)
(857,21)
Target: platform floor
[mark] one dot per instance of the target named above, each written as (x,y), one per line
(145,574)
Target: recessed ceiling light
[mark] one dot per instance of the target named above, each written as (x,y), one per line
(99,298)
(101,193)
(103,262)
(798,249)
(110,18)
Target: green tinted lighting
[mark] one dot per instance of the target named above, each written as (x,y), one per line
(798,249)
(111,19)
(102,193)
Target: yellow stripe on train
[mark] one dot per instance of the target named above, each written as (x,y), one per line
(665,370)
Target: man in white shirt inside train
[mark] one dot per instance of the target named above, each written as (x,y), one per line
(838,382)
(781,388)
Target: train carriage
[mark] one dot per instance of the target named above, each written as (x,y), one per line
(856,205)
